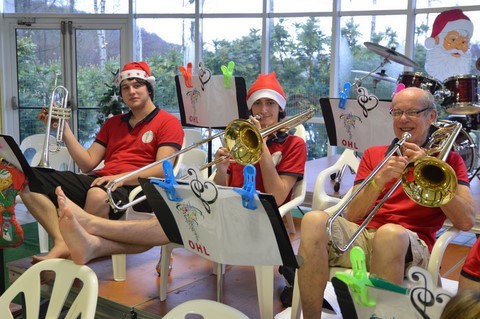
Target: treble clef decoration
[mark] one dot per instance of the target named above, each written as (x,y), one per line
(204,75)
(366,101)
(206,191)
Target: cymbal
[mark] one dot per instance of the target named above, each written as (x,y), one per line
(390,54)
(379,75)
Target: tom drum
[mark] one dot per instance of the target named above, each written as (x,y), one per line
(420,80)
(461,94)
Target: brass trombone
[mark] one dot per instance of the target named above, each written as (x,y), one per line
(429,180)
(242,139)
(60,113)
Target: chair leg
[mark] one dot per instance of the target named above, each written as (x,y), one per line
(264,279)
(42,239)
(165,255)
(119,263)
(290,224)
(296,304)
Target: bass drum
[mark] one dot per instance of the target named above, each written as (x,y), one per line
(465,146)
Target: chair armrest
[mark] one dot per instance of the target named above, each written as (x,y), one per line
(439,249)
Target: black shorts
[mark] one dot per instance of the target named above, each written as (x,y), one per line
(76,186)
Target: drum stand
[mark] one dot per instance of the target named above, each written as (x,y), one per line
(477,171)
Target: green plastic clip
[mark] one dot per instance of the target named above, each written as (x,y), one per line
(359,281)
(228,74)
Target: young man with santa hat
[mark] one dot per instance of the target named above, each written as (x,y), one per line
(284,155)
(125,143)
(448,45)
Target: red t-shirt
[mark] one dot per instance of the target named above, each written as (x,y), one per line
(128,149)
(399,208)
(288,152)
(471,267)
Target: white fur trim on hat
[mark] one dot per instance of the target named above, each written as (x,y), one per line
(129,74)
(459,25)
(267,94)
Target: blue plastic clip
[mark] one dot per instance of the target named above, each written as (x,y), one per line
(169,183)
(228,74)
(344,95)
(248,191)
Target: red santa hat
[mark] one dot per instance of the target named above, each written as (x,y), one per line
(139,70)
(266,86)
(451,20)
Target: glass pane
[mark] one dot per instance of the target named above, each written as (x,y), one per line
(356,60)
(445,3)
(238,40)
(300,55)
(98,60)
(166,44)
(302,6)
(66,6)
(369,5)
(88,126)
(39,65)
(164,6)
(317,140)
(232,6)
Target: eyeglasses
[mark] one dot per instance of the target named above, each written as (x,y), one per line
(409,113)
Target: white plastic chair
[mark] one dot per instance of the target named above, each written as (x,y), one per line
(59,160)
(66,272)
(321,200)
(119,261)
(207,309)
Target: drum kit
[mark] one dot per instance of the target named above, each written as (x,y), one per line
(458,95)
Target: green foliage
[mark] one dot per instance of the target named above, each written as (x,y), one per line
(111,102)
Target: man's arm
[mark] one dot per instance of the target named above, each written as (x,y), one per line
(461,210)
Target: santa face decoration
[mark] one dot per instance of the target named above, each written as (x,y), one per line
(448,45)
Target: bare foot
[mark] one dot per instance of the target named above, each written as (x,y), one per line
(85,219)
(59,250)
(82,245)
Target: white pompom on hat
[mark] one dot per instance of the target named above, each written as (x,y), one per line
(139,70)
(451,20)
(266,86)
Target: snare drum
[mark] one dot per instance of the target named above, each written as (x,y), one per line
(419,80)
(465,146)
(463,94)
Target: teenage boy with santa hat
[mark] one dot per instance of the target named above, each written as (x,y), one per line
(125,143)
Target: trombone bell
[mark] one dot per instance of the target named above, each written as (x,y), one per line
(244,141)
(429,181)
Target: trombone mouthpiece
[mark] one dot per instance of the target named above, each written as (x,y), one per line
(258,117)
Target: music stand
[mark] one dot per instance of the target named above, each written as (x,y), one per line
(204,101)
(235,236)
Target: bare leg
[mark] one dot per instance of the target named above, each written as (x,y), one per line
(464,284)
(313,274)
(96,202)
(84,246)
(146,232)
(389,263)
(45,212)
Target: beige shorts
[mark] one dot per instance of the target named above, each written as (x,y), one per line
(343,229)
